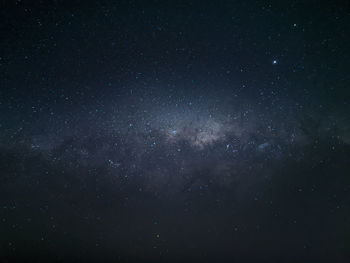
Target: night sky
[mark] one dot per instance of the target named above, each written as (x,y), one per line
(175,131)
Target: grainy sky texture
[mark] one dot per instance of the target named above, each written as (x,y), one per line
(175,131)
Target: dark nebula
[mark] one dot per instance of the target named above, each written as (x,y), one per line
(175,131)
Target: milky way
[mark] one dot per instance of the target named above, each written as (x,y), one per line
(174,131)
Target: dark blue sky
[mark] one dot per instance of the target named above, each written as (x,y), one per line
(140,131)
